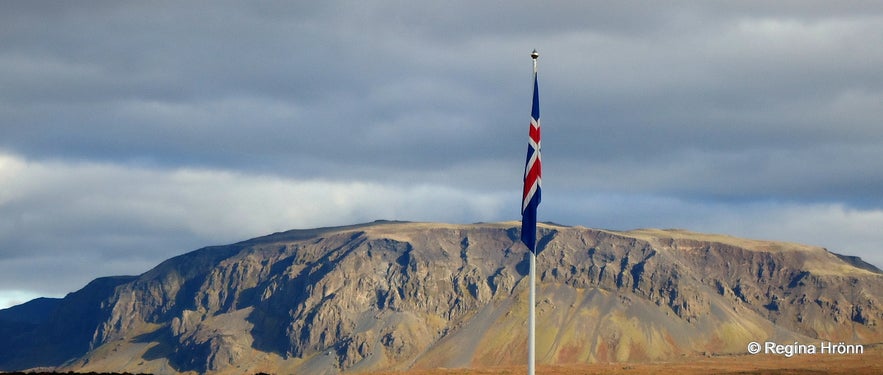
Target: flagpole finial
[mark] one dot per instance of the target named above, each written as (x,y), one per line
(534,55)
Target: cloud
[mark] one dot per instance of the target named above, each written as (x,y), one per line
(155,128)
(838,173)
(271,86)
(78,221)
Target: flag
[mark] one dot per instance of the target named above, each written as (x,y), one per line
(532,176)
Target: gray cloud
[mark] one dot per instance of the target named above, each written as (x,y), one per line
(75,221)
(124,124)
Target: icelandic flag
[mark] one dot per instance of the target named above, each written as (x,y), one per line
(532,176)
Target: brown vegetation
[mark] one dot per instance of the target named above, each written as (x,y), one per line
(871,362)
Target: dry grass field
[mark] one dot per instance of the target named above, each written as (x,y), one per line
(871,362)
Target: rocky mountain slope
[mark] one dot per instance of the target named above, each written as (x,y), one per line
(394,295)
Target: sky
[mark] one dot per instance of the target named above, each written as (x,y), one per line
(131,132)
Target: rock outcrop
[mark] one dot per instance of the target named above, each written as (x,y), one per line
(393,295)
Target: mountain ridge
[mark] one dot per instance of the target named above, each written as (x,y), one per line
(398,295)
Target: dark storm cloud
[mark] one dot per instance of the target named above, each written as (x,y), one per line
(133,131)
(152,84)
(756,107)
(271,86)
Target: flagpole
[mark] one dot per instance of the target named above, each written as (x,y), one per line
(532,320)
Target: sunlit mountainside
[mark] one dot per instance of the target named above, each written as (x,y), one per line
(400,295)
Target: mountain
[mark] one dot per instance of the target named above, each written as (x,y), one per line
(33,312)
(399,295)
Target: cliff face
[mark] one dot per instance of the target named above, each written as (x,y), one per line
(402,295)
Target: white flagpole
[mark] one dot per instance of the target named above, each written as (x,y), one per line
(532,320)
